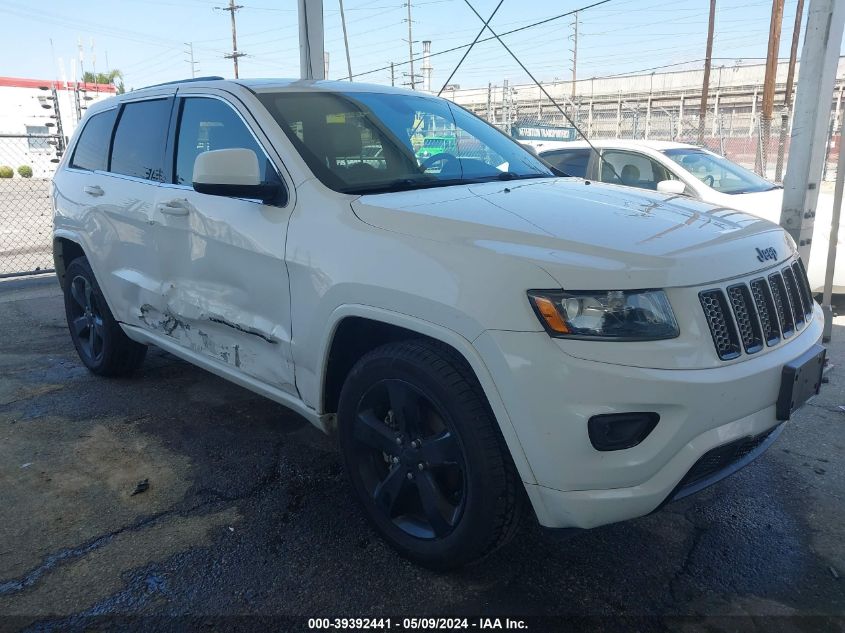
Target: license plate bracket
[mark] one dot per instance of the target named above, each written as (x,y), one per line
(800,380)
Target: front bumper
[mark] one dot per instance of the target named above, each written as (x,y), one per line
(550,396)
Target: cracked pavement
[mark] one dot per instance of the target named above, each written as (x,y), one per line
(248,512)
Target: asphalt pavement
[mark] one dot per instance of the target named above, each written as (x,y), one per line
(246,513)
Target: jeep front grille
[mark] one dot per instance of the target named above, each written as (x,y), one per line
(794,297)
(765,305)
(787,325)
(804,287)
(746,320)
(721,323)
(750,316)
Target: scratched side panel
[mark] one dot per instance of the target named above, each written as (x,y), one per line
(225,286)
(118,238)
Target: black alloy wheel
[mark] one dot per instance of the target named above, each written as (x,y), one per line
(424,454)
(86,320)
(101,343)
(410,459)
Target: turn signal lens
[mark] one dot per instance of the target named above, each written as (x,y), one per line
(546,309)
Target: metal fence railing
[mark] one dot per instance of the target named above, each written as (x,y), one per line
(732,127)
(27,163)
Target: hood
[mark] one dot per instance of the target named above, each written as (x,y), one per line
(587,235)
(763,204)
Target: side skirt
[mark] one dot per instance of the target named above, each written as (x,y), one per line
(322,422)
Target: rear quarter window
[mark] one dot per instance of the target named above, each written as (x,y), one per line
(572,162)
(138,147)
(92,148)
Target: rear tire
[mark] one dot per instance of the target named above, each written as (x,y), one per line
(99,340)
(425,457)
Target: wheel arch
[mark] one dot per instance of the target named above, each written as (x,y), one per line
(66,248)
(355,330)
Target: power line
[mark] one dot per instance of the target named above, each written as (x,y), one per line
(489,39)
(480,33)
(544,91)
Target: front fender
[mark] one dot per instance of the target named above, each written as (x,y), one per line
(313,388)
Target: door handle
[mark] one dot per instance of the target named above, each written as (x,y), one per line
(93,190)
(173,207)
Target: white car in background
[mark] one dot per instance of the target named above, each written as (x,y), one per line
(692,171)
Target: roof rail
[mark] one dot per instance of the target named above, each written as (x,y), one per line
(184,81)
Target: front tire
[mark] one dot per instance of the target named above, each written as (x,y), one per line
(99,340)
(425,456)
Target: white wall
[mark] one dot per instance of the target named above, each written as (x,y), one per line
(21,108)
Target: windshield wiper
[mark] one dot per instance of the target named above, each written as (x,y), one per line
(741,191)
(407,184)
(509,175)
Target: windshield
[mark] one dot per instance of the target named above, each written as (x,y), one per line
(718,173)
(338,134)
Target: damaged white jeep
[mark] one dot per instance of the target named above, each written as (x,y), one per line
(486,337)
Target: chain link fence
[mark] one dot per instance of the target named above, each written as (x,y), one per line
(26,166)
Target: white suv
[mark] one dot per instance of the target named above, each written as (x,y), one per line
(479,332)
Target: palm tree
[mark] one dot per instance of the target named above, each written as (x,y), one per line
(113,77)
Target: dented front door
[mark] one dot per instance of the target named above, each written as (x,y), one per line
(225,283)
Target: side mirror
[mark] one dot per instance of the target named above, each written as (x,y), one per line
(674,187)
(233,173)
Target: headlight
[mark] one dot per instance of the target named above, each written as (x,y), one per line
(611,315)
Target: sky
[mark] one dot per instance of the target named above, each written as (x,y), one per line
(147,39)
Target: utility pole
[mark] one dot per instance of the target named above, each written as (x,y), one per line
(487,114)
(793,54)
(190,60)
(819,58)
(772,60)
(392,75)
(411,48)
(345,39)
(790,82)
(234,55)
(767,111)
(574,55)
(426,67)
(312,49)
(702,111)
(506,113)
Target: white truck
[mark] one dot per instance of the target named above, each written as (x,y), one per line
(487,339)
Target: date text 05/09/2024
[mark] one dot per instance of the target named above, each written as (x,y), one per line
(414,624)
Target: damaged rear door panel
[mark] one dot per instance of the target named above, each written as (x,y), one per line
(225,291)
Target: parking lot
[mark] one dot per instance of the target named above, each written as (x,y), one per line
(247,512)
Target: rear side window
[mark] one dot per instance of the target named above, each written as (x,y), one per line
(572,162)
(632,169)
(138,148)
(92,149)
(209,124)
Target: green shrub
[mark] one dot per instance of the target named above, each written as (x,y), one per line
(6,171)
(25,171)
